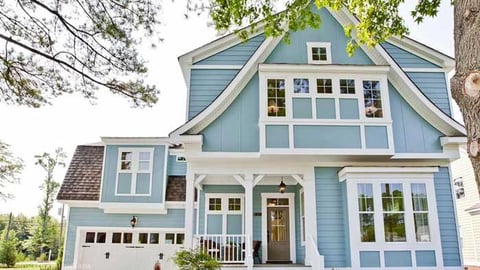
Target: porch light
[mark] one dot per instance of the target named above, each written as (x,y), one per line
(133,221)
(282,187)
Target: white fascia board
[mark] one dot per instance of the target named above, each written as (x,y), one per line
(364,69)
(137,140)
(137,208)
(352,172)
(78,203)
(221,103)
(407,89)
(186,139)
(453,140)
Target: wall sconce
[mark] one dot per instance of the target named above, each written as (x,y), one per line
(133,221)
(282,187)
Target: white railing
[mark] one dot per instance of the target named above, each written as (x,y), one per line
(316,260)
(228,248)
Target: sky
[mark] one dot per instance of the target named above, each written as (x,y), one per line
(73,120)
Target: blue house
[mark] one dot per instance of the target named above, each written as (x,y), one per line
(293,154)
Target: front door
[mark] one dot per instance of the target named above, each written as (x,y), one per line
(278,233)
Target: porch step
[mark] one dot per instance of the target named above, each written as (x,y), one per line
(268,267)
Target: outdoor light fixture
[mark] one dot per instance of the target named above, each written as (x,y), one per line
(133,221)
(282,187)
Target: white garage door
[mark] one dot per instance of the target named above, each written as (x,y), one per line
(135,249)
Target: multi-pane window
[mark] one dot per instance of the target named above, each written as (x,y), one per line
(174,238)
(420,212)
(134,171)
(319,53)
(393,212)
(372,99)
(301,86)
(95,237)
(366,212)
(276,97)
(324,86)
(347,86)
(234,204)
(459,188)
(215,204)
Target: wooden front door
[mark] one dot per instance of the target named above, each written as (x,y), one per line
(278,233)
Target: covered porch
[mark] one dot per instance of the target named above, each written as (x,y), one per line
(253,219)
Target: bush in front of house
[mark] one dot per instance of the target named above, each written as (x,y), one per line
(195,260)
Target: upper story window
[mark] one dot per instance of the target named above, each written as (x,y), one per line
(459,188)
(276,97)
(372,99)
(319,53)
(134,175)
(347,86)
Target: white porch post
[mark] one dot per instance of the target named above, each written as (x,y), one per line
(310,214)
(189,207)
(248,184)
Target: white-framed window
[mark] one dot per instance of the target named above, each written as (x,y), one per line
(319,52)
(392,209)
(227,206)
(276,98)
(134,173)
(372,99)
(459,188)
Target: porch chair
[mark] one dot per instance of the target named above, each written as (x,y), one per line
(256,251)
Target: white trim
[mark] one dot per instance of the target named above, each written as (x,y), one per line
(455,210)
(102,177)
(257,179)
(174,205)
(80,204)
(437,70)
(134,170)
(216,67)
(326,45)
(136,140)
(224,212)
(453,140)
(355,172)
(346,71)
(165,174)
(138,208)
(291,216)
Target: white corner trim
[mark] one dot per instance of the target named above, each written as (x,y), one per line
(355,172)
(453,140)
(174,205)
(137,208)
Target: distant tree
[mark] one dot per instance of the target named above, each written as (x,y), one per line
(52,47)
(377,21)
(45,230)
(8,252)
(10,168)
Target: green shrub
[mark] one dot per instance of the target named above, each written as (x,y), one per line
(8,254)
(59,259)
(42,258)
(195,260)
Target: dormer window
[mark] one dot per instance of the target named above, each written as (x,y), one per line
(134,173)
(319,53)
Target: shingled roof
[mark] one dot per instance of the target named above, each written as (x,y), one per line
(84,175)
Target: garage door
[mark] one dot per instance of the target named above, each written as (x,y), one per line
(127,249)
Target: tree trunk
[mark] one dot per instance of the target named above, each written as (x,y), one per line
(467,76)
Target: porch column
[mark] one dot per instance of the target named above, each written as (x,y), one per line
(310,215)
(189,207)
(248,184)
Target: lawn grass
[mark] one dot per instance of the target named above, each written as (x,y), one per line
(31,266)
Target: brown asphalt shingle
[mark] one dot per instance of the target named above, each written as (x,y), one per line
(84,175)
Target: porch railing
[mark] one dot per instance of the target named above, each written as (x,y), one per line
(316,260)
(230,248)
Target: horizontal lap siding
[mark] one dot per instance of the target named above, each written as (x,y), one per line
(205,86)
(433,85)
(331,220)
(406,59)
(446,218)
(236,55)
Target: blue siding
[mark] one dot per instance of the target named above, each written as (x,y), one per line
(406,59)
(326,136)
(411,133)
(331,220)
(376,137)
(330,31)
(426,258)
(276,136)
(349,108)
(446,218)
(434,86)
(398,258)
(302,108)
(325,108)
(205,86)
(94,217)
(236,130)
(110,176)
(236,55)
(174,167)
(369,259)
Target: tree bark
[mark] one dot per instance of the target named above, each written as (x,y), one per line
(467,56)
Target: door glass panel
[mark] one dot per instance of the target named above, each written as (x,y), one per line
(90,237)
(180,238)
(101,237)
(142,238)
(278,223)
(116,238)
(154,238)
(169,238)
(127,238)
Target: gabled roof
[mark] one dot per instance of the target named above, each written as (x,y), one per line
(84,175)
(408,90)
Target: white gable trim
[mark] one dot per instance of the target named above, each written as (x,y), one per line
(222,102)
